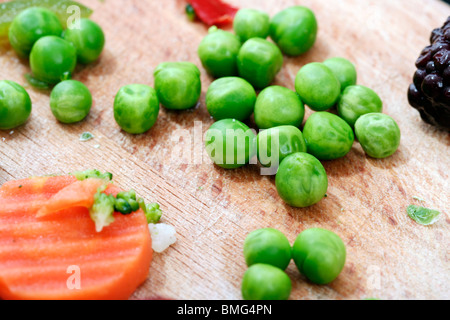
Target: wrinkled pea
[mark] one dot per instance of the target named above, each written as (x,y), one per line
(356,101)
(378,134)
(301,180)
(327,136)
(70,101)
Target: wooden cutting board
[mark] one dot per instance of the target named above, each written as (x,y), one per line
(389,255)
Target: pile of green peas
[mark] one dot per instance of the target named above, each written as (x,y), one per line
(318,254)
(245,66)
(53,52)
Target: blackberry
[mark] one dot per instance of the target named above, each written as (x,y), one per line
(430,91)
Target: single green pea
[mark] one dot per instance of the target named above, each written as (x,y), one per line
(356,101)
(251,23)
(29,26)
(344,70)
(88,38)
(317,86)
(53,59)
(269,246)
(15,105)
(277,106)
(378,134)
(178,85)
(319,255)
(265,282)
(70,101)
(230,143)
(301,180)
(277,143)
(259,61)
(136,108)
(327,136)
(294,30)
(230,98)
(218,53)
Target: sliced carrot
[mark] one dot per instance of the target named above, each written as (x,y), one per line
(77,194)
(48,257)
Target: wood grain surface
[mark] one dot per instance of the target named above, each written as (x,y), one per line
(389,256)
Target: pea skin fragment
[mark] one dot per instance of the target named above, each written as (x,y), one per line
(422,215)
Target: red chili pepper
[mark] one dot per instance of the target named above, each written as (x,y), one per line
(213,12)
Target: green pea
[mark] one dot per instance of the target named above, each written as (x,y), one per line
(378,134)
(356,101)
(251,23)
(88,39)
(230,143)
(277,106)
(294,30)
(29,26)
(259,61)
(277,143)
(269,246)
(177,84)
(319,255)
(15,105)
(327,136)
(301,180)
(136,108)
(218,53)
(230,98)
(317,86)
(265,282)
(70,101)
(53,59)
(343,69)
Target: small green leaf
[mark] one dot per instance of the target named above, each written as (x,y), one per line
(85,136)
(422,215)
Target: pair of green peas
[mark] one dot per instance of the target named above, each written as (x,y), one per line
(319,255)
(248,54)
(37,33)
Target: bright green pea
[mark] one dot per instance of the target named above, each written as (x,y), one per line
(230,98)
(301,180)
(277,143)
(277,106)
(230,143)
(327,136)
(53,59)
(218,53)
(343,69)
(319,255)
(378,134)
(136,108)
(70,101)
(15,105)
(356,101)
(251,23)
(29,26)
(259,61)
(178,84)
(265,282)
(294,30)
(269,246)
(317,86)
(88,38)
